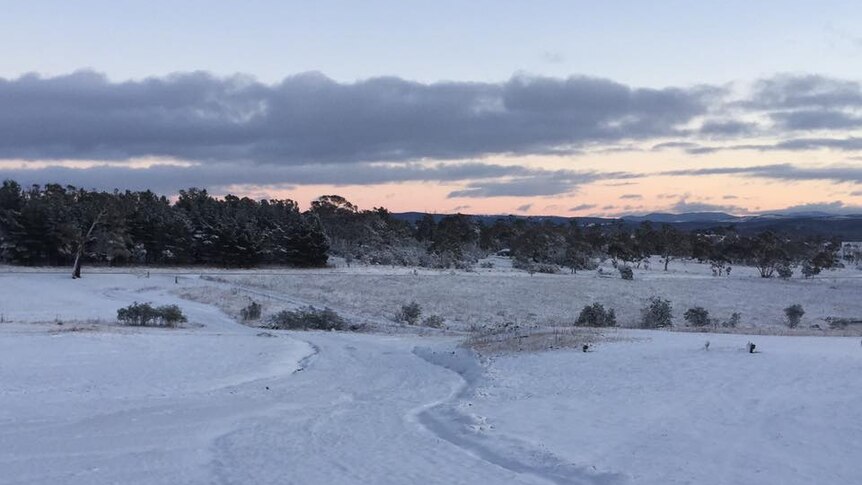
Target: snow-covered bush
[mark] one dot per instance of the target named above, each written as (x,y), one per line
(657,314)
(794,315)
(697,316)
(409,313)
(307,318)
(433,321)
(784,271)
(626,272)
(595,315)
(146,315)
(251,312)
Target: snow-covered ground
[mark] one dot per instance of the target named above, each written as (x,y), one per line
(217,402)
(498,296)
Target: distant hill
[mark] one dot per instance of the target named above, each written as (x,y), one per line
(685,217)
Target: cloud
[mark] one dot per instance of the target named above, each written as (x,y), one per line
(631,196)
(787,91)
(723,128)
(816,120)
(523,208)
(537,183)
(310,129)
(582,207)
(782,171)
(674,144)
(170,178)
(309,118)
(541,185)
(833,207)
(856,193)
(684,206)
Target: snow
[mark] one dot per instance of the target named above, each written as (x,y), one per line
(661,409)
(90,402)
(499,296)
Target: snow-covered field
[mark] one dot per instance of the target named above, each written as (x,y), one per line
(217,402)
(499,296)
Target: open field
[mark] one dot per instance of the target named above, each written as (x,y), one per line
(83,400)
(499,296)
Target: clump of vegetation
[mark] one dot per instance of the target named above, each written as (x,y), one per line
(307,318)
(658,314)
(794,315)
(251,312)
(595,315)
(697,316)
(626,272)
(433,321)
(809,269)
(785,271)
(146,315)
(733,321)
(533,267)
(409,313)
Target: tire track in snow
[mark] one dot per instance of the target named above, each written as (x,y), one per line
(443,419)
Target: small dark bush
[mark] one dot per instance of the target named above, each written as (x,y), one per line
(697,316)
(145,315)
(810,269)
(433,321)
(533,267)
(626,272)
(733,321)
(409,313)
(595,315)
(784,271)
(794,315)
(657,314)
(307,318)
(251,312)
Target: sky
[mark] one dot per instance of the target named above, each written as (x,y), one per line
(545,107)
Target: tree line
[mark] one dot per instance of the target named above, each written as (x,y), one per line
(65,225)
(57,225)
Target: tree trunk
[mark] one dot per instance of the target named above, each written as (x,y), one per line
(79,254)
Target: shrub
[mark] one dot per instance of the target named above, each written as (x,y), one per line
(657,314)
(626,272)
(145,315)
(307,318)
(251,312)
(810,269)
(784,271)
(794,315)
(733,321)
(697,316)
(533,267)
(486,264)
(409,313)
(595,315)
(434,321)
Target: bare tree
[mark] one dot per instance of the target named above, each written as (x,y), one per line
(82,243)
